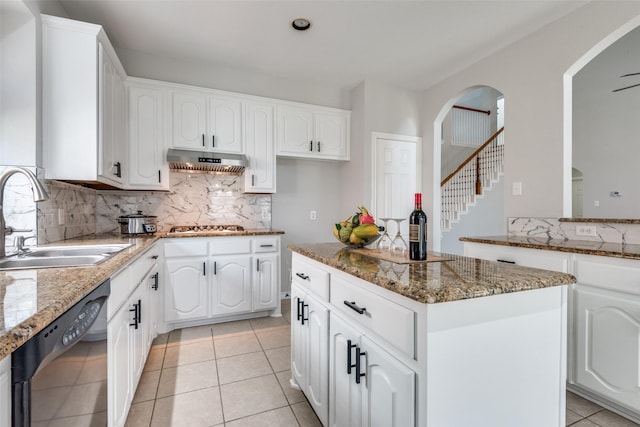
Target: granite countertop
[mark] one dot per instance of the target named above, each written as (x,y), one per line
(30,299)
(435,282)
(586,247)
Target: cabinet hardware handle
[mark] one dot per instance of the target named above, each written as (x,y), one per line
(318,144)
(303,306)
(352,305)
(118,171)
(303,276)
(359,373)
(159,176)
(253,179)
(139,312)
(154,256)
(156,280)
(204,268)
(215,267)
(310,145)
(350,363)
(266,246)
(213,140)
(203,139)
(258,264)
(506,261)
(298,314)
(134,310)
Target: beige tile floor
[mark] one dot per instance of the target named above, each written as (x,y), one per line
(232,374)
(237,374)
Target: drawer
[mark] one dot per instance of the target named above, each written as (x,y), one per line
(144,263)
(392,322)
(229,245)
(266,244)
(310,277)
(535,258)
(609,273)
(192,246)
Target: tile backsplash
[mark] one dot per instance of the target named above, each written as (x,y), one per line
(552,228)
(19,209)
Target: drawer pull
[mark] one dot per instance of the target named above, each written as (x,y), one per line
(349,361)
(302,306)
(359,373)
(302,276)
(506,261)
(156,279)
(352,305)
(266,246)
(154,257)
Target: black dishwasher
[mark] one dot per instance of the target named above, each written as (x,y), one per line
(61,373)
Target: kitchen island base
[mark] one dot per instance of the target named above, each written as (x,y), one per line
(395,360)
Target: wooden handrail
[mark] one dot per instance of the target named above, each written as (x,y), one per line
(471,157)
(460,107)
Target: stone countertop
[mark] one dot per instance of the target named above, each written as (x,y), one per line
(30,299)
(435,282)
(586,247)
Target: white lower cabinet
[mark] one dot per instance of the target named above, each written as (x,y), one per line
(310,353)
(5,392)
(212,277)
(130,331)
(370,387)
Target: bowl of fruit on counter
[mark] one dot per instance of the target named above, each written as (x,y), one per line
(358,230)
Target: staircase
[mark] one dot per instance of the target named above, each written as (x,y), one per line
(476,174)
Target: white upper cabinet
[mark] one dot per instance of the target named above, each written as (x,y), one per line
(312,132)
(148,168)
(83,104)
(203,121)
(260,176)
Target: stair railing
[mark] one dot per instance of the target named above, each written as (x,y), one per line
(460,187)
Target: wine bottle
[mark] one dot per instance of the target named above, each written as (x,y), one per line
(418,232)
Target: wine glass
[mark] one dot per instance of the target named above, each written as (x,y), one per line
(399,245)
(385,241)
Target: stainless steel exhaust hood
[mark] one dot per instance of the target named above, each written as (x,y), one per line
(206,162)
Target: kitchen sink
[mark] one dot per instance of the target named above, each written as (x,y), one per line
(61,256)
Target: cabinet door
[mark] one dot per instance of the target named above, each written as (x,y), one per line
(299,339)
(5,392)
(389,389)
(119,376)
(331,135)
(185,294)
(294,132)
(139,301)
(266,287)
(111,141)
(317,323)
(224,125)
(188,120)
(147,164)
(260,150)
(608,344)
(345,399)
(152,282)
(231,284)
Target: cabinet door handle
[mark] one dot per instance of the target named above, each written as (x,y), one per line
(154,256)
(352,305)
(318,144)
(253,179)
(215,268)
(156,280)
(303,305)
(298,314)
(506,261)
(203,139)
(310,145)
(213,140)
(359,373)
(266,246)
(350,363)
(204,268)
(159,176)
(139,312)
(118,171)
(258,264)
(302,276)
(134,310)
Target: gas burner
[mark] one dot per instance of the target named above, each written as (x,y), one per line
(205,228)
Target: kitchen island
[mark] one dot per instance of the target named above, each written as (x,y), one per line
(454,342)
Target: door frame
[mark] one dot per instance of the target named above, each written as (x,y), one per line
(375,137)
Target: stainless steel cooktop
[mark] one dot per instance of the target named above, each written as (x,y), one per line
(206,228)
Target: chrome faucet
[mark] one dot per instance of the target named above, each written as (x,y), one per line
(39,194)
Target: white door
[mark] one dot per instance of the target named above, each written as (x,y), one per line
(608,344)
(394,180)
(231,284)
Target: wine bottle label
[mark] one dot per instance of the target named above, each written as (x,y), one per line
(414,232)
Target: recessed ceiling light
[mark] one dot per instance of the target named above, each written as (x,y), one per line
(301,24)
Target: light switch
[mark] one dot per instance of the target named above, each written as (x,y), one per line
(516,188)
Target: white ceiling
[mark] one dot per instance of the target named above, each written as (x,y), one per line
(411,44)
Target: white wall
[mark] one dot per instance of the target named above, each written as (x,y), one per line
(606,130)
(530,75)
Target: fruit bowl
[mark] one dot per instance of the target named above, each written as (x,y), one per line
(363,243)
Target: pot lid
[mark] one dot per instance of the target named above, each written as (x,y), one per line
(137,215)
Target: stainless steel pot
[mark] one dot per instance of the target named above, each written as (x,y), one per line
(137,224)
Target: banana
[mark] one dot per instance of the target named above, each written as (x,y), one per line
(366,231)
(355,239)
(336,231)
